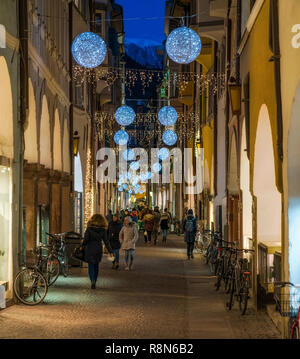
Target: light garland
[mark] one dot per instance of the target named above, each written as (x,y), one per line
(180,80)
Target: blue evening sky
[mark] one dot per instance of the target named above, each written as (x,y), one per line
(144,29)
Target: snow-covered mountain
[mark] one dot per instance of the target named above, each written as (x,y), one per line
(145,52)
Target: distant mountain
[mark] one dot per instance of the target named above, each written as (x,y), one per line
(147,53)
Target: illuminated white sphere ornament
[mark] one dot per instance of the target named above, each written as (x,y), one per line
(156,167)
(134,166)
(89,50)
(125,115)
(163,154)
(121,137)
(128,155)
(183,45)
(169,137)
(167,116)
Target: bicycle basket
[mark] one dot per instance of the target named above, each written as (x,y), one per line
(287,303)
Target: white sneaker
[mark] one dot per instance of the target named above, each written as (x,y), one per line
(126,267)
(130,266)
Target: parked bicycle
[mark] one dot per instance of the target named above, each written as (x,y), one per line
(287,299)
(30,285)
(59,253)
(239,279)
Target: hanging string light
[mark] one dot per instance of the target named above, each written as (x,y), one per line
(89,50)
(125,115)
(183,45)
(167,116)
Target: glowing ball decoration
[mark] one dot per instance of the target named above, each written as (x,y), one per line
(128,155)
(163,154)
(183,45)
(134,166)
(121,137)
(125,115)
(89,50)
(144,177)
(156,167)
(120,189)
(167,116)
(169,137)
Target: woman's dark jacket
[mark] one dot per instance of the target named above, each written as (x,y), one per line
(92,244)
(114,229)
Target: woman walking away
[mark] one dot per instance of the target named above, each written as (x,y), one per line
(95,233)
(114,230)
(149,225)
(190,231)
(128,237)
(164,224)
(156,223)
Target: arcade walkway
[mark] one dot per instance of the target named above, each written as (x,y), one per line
(165,296)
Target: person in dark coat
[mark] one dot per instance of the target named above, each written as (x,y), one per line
(109,216)
(114,229)
(190,231)
(95,233)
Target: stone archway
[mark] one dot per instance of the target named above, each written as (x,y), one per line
(294,191)
(233,192)
(45,149)
(6,156)
(30,136)
(245,191)
(268,203)
(6,112)
(66,148)
(57,158)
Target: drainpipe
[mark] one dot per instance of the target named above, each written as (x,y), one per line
(275,48)
(23,101)
(71,114)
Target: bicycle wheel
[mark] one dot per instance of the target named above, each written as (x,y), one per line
(50,269)
(229,303)
(30,286)
(243,299)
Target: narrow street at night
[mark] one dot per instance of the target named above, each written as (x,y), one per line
(164,296)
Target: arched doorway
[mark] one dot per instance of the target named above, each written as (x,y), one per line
(245,192)
(268,204)
(57,158)
(294,191)
(233,192)
(78,188)
(30,136)
(6,156)
(45,151)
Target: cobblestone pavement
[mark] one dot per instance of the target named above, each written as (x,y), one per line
(164,296)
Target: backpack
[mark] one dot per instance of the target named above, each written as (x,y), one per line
(189,225)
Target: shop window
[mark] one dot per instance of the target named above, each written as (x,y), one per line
(42,224)
(2,37)
(5,223)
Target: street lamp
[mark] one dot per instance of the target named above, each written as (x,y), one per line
(235,90)
(75,143)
